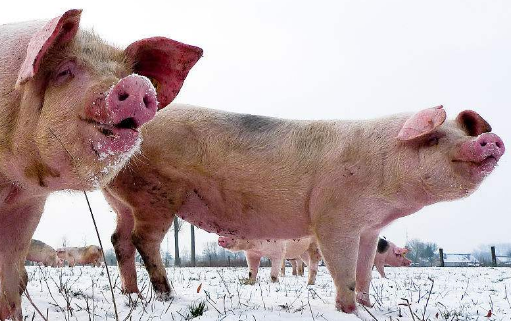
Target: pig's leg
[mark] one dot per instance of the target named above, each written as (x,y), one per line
(380,268)
(150,229)
(300,266)
(339,246)
(313,257)
(366,254)
(253,261)
(293,265)
(18,226)
(283,268)
(123,246)
(276,264)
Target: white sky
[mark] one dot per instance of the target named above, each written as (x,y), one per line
(323,60)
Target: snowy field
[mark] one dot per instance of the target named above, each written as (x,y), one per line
(82,293)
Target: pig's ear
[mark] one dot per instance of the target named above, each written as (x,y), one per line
(473,124)
(422,123)
(400,251)
(165,62)
(59,30)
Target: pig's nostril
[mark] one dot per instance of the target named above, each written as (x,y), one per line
(146,100)
(123,96)
(483,143)
(499,145)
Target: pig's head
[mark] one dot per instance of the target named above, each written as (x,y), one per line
(233,244)
(83,101)
(450,158)
(398,257)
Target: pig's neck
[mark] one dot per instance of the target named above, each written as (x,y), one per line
(387,176)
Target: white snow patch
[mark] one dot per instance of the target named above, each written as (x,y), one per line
(457,294)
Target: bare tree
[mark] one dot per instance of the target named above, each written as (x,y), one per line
(422,252)
(64,241)
(178,223)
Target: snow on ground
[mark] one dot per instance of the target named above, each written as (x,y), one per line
(82,293)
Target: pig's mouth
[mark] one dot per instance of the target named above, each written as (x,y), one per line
(113,130)
(114,138)
(480,168)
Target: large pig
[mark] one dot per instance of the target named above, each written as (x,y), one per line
(86,255)
(71,108)
(277,251)
(257,177)
(387,253)
(41,252)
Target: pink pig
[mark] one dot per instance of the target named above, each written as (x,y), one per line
(86,255)
(72,107)
(388,253)
(277,251)
(255,177)
(43,253)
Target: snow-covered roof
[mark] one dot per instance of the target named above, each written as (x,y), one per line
(504,259)
(459,258)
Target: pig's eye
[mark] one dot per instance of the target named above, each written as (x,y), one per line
(433,141)
(65,72)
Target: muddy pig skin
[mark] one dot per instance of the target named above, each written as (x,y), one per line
(389,254)
(71,107)
(41,252)
(277,251)
(87,255)
(254,177)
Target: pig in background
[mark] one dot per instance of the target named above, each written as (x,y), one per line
(255,177)
(388,254)
(44,254)
(87,255)
(297,265)
(71,107)
(277,251)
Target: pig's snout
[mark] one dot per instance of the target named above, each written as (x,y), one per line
(132,101)
(491,145)
(224,242)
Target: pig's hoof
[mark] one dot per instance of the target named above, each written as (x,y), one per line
(310,282)
(364,299)
(133,299)
(8,311)
(164,296)
(274,279)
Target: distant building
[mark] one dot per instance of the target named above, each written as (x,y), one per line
(503,260)
(460,260)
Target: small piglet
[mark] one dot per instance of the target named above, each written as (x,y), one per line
(72,107)
(389,254)
(87,255)
(42,253)
(277,251)
(254,177)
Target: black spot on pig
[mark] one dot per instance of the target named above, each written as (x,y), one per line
(254,123)
(383,246)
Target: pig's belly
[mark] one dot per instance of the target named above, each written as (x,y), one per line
(248,225)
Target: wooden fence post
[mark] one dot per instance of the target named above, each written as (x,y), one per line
(441,252)
(493,257)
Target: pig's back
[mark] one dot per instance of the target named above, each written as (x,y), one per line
(250,170)
(39,250)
